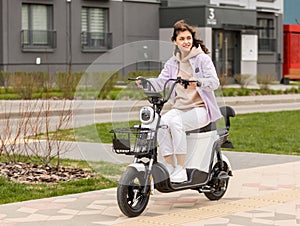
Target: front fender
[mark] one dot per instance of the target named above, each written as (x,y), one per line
(138,166)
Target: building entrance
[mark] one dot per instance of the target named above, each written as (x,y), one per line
(226,52)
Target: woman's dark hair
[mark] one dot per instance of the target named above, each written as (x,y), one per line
(181,26)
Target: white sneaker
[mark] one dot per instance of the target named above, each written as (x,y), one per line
(170,168)
(179,175)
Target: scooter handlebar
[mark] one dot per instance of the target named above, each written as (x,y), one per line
(144,82)
(184,82)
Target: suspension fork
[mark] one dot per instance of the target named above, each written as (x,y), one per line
(148,176)
(153,159)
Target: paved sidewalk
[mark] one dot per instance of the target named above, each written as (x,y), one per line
(264,195)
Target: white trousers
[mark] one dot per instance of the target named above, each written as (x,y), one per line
(172,140)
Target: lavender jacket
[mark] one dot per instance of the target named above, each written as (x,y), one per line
(204,71)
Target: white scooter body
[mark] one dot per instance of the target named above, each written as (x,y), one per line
(200,148)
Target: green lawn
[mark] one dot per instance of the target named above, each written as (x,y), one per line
(16,192)
(274,132)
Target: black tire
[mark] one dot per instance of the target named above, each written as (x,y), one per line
(130,199)
(219,186)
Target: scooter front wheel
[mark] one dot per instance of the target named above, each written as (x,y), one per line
(132,199)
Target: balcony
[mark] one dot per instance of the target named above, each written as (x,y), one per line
(96,41)
(38,39)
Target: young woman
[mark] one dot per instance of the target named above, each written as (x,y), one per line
(193,107)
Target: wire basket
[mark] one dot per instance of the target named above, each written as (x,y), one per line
(133,141)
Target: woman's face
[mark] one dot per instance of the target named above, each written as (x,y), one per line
(184,41)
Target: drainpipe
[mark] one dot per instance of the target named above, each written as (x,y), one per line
(69,35)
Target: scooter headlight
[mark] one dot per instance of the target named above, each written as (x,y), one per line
(146,115)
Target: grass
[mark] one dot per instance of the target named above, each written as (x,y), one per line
(15,192)
(92,133)
(274,132)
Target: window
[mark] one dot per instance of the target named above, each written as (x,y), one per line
(37,26)
(94,28)
(266,35)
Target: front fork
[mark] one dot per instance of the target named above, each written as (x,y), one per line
(149,178)
(148,174)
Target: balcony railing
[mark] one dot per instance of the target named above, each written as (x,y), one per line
(96,40)
(266,45)
(38,39)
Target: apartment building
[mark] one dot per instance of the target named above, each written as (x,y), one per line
(244,36)
(68,35)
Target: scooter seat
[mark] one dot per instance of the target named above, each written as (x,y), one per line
(210,127)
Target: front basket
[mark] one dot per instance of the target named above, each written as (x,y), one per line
(133,141)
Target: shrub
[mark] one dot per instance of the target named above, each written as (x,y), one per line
(242,79)
(5,79)
(264,80)
(19,136)
(26,83)
(224,80)
(109,80)
(67,83)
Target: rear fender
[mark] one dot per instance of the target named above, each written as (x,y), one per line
(226,160)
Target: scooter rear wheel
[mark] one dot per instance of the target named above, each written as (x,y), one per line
(131,200)
(218,183)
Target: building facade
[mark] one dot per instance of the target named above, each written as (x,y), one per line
(244,36)
(68,35)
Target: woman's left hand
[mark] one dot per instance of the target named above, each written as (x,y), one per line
(194,83)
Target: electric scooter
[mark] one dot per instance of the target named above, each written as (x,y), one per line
(207,167)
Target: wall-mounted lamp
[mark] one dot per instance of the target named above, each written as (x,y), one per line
(38,60)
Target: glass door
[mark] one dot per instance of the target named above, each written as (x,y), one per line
(226,52)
